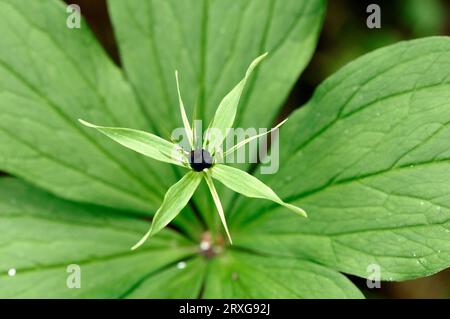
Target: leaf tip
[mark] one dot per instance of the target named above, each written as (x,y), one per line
(260,58)
(228,234)
(301,212)
(143,239)
(296,209)
(87,124)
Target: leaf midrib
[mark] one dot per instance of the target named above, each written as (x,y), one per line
(76,169)
(356,92)
(365,176)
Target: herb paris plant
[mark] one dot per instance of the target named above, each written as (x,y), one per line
(200,161)
(367,157)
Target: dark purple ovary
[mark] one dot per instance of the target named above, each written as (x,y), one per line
(200,159)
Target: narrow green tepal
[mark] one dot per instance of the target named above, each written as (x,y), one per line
(248,185)
(142,142)
(187,127)
(252,138)
(218,204)
(227,109)
(175,200)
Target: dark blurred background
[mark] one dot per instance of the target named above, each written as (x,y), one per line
(345,37)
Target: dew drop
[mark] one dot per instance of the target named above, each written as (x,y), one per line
(12,272)
(181,265)
(422,261)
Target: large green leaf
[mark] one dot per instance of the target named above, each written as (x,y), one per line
(370,163)
(183,281)
(244,275)
(211,43)
(50,76)
(40,236)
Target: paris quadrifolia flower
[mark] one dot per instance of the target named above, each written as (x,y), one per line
(202,160)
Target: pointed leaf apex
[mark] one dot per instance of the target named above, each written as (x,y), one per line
(143,240)
(260,58)
(86,123)
(295,209)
